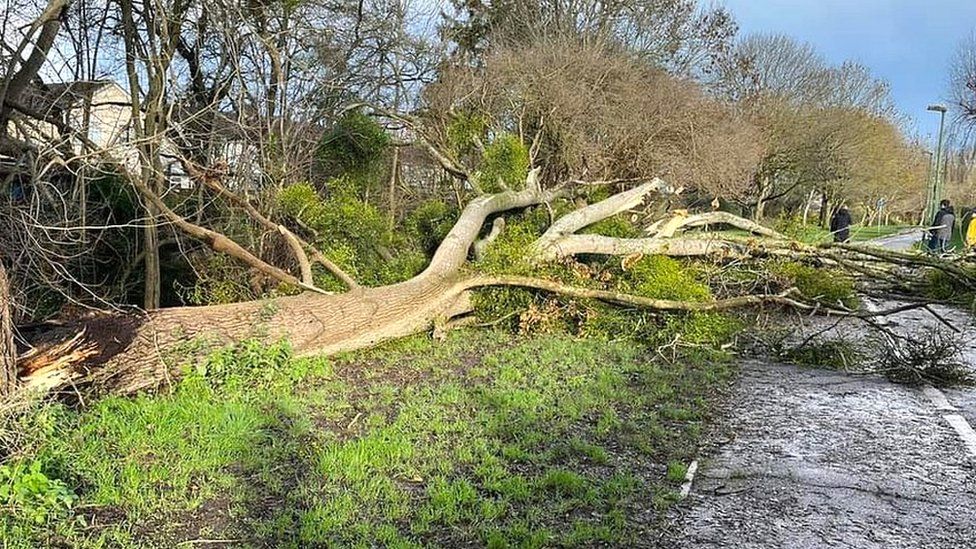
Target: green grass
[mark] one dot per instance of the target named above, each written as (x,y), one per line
(814,234)
(486,439)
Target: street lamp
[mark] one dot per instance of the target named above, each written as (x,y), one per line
(936,195)
(929,191)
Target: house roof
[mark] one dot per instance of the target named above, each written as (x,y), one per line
(60,96)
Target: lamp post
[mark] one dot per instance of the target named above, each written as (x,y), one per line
(929,190)
(936,196)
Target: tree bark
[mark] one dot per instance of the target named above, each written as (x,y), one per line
(8,352)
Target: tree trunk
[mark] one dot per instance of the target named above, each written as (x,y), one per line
(8,352)
(150,241)
(139,354)
(806,207)
(765,190)
(313,323)
(824,210)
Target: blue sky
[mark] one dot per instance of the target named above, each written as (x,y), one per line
(909,43)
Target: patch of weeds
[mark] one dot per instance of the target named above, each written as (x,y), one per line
(677,471)
(248,361)
(563,482)
(837,353)
(31,495)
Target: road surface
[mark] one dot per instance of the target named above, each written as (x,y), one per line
(900,241)
(817,458)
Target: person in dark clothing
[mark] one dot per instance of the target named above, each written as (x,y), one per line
(840,224)
(935,245)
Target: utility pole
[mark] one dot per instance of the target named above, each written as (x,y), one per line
(937,183)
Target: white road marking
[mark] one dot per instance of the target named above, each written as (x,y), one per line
(689,478)
(938,399)
(965,431)
(956,421)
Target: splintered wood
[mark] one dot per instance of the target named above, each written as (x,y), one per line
(55,365)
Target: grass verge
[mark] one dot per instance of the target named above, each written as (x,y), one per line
(486,439)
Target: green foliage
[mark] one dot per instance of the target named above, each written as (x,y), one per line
(939,285)
(429,223)
(677,472)
(505,163)
(502,305)
(464,131)
(792,226)
(509,252)
(830,286)
(31,494)
(354,145)
(663,277)
(352,233)
(342,217)
(617,226)
(702,328)
(294,200)
(658,277)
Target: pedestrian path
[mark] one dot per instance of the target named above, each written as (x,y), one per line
(823,459)
(899,242)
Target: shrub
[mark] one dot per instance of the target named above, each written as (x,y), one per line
(791,226)
(354,144)
(429,223)
(508,253)
(349,231)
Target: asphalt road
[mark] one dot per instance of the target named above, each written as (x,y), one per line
(818,458)
(901,241)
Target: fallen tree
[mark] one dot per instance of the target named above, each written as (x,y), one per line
(139,352)
(131,353)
